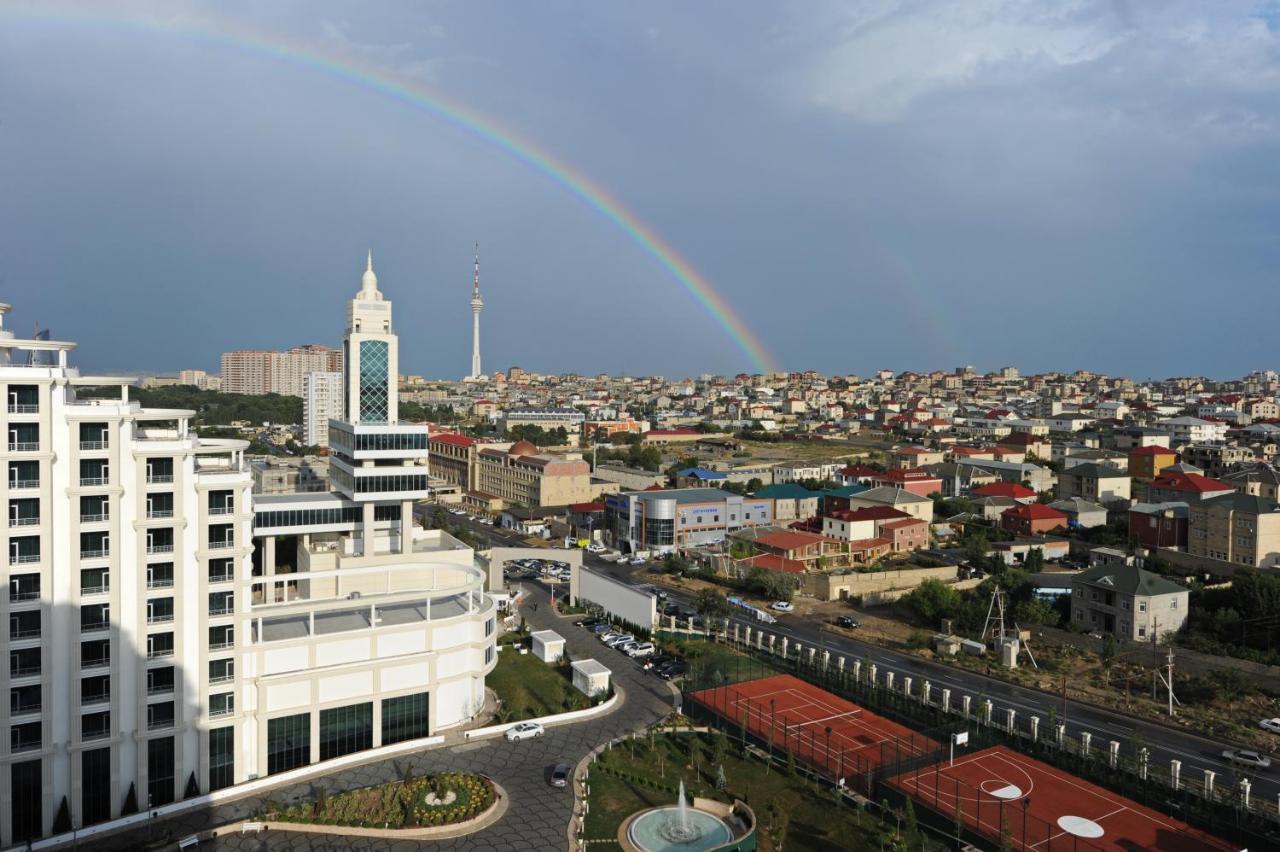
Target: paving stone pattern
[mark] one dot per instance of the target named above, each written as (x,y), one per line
(539,814)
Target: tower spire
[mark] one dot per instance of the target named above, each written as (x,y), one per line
(369,281)
(477,305)
(475,284)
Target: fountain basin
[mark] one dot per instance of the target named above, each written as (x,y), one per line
(651,831)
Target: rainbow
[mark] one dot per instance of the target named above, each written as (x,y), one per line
(226,33)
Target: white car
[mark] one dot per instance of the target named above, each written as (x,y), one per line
(636,560)
(595,548)
(619,639)
(1272,725)
(1247,757)
(524,731)
(781,606)
(640,649)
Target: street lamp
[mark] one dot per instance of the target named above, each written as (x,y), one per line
(826,758)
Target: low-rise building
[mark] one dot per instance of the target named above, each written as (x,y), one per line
(1081,513)
(1238,528)
(1159,525)
(1095,482)
(520,475)
(1032,519)
(661,521)
(1184,488)
(1128,602)
(895,498)
(791,501)
(1148,461)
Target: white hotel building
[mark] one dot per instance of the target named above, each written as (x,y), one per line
(161,643)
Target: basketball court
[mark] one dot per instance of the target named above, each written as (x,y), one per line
(1032,806)
(830,734)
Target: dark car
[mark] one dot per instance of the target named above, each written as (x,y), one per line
(671,609)
(673,669)
(846,621)
(658,661)
(560,775)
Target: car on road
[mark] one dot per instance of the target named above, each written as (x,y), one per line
(1272,725)
(781,606)
(846,621)
(595,548)
(640,649)
(636,560)
(560,775)
(1247,757)
(524,731)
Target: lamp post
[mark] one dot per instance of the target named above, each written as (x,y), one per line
(826,758)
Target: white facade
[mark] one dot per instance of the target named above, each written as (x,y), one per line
(321,402)
(156,648)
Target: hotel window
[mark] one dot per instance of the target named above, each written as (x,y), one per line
(222,759)
(160,780)
(95,780)
(344,730)
(288,743)
(95,726)
(404,718)
(160,715)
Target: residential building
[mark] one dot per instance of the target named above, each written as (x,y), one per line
(321,402)
(1218,459)
(259,371)
(1238,528)
(1128,602)
(1032,519)
(1148,461)
(791,501)
(665,520)
(1081,513)
(1184,488)
(1012,490)
(1260,480)
(915,480)
(629,478)
(569,419)
(804,471)
(1193,430)
(910,457)
(904,501)
(1095,482)
(1159,525)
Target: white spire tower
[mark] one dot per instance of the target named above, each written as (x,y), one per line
(477,305)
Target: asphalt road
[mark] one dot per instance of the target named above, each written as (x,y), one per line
(1196,752)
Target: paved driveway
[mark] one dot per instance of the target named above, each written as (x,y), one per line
(539,814)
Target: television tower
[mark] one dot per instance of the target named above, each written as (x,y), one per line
(477,305)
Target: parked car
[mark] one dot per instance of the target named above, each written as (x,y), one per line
(635,560)
(1247,757)
(524,731)
(586,622)
(1272,725)
(781,606)
(847,621)
(673,670)
(671,609)
(601,628)
(560,775)
(619,639)
(640,649)
(657,661)
(625,647)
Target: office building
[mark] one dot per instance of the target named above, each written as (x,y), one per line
(665,520)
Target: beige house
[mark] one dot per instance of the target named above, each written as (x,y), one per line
(1239,528)
(1095,482)
(896,498)
(1128,603)
(522,476)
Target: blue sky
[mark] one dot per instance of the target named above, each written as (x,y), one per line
(905,184)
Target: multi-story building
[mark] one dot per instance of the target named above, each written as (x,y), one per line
(520,475)
(1128,602)
(666,520)
(1217,459)
(1260,480)
(259,371)
(321,402)
(569,419)
(150,660)
(1239,528)
(1099,483)
(1146,462)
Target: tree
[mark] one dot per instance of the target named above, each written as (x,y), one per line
(1034,561)
(773,585)
(932,601)
(711,603)
(1108,652)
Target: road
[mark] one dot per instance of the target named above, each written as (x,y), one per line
(1196,753)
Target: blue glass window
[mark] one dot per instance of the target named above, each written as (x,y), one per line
(373,381)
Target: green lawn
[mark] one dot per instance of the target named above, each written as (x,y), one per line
(714,663)
(529,688)
(632,777)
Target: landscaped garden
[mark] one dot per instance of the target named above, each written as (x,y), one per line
(432,800)
(792,812)
(529,688)
(715,662)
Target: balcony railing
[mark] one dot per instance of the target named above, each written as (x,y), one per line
(23,408)
(162,618)
(25,522)
(24,744)
(90,626)
(222,646)
(104,588)
(93,445)
(159,513)
(222,678)
(222,544)
(94,519)
(159,688)
(23,446)
(157,653)
(159,478)
(160,583)
(95,554)
(16,484)
(95,697)
(23,671)
(219,712)
(92,481)
(23,595)
(159,724)
(221,510)
(24,707)
(159,548)
(221,577)
(24,633)
(95,662)
(225,609)
(98,733)
(23,558)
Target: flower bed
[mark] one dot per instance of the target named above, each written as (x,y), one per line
(400,804)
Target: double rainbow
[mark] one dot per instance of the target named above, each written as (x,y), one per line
(228,33)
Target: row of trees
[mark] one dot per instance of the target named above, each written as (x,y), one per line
(212,407)
(933,600)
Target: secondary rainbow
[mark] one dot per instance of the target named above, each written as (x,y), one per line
(225,32)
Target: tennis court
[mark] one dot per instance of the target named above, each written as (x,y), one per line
(1000,793)
(828,733)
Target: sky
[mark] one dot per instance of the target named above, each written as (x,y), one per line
(912,185)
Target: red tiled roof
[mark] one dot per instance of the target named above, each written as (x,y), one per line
(785,540)
(905,522)
(914,474)
(1035,512)
(1192,482)
(869,543)
(585,508)
(1003,489)
(452,438)
(681,431)
(774,562)
(869,513)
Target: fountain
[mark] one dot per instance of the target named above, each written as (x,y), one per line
(678,829)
